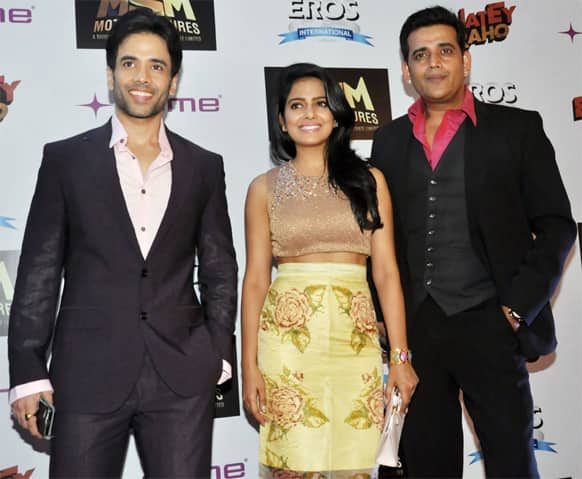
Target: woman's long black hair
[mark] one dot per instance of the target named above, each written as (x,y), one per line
(346,170)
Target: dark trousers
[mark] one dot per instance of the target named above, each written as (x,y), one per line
(475,351)
(173,435)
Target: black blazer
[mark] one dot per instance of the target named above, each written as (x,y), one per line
(520,222)
(115,304)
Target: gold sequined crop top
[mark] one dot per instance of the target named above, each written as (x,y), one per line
(308,216)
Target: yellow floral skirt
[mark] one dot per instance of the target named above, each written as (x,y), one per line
(320,357)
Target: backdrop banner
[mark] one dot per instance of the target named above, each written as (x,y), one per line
(526,54)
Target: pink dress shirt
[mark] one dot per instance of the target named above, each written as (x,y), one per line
(448,128)
(146,198)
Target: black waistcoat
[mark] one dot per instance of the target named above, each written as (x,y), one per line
(441,258)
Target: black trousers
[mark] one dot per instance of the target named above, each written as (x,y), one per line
(475,352)
(173,435)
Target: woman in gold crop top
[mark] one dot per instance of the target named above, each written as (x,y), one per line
(312,367)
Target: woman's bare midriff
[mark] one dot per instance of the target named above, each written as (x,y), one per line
(338,257)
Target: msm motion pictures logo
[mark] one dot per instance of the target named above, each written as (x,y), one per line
(488,25)
(335,19)
(194,20)
(366,90)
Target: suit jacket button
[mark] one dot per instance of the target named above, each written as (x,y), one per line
(144,273)
(143,316)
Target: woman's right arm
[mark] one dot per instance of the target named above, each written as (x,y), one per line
(256,283)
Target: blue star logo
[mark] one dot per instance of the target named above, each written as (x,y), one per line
(537,445)
(476,457)
(5,222)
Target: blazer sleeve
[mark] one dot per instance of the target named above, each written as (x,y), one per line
(548,212)
(217,268)
(39,277)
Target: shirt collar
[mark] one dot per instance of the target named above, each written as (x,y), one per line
(119,138)
(468,107)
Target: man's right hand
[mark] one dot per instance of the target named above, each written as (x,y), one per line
(25,408)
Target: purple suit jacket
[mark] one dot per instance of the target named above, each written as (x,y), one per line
(116,305)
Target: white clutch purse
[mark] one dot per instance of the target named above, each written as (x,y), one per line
(390,440)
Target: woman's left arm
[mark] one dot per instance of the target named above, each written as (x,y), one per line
(387,281)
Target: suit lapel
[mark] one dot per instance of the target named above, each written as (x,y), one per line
(399,172)
(107,180)
(182,178)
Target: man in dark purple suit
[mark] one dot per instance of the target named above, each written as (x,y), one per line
(124,213)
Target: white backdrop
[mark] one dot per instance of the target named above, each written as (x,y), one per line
(535,65)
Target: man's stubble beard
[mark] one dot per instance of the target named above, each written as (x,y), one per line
(123,105)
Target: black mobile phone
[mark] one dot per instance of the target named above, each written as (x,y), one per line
(45,417)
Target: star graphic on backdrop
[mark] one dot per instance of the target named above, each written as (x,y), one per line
(571,32)
(95,104)
(5,222)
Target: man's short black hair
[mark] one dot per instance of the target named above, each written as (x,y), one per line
(428,17)
(144,20)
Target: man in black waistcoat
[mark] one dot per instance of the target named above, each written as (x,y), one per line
(124,212)
(482,229)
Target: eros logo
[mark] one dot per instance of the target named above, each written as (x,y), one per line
(324,10)
(494,92)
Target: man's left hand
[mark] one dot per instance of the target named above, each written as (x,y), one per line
(512,321)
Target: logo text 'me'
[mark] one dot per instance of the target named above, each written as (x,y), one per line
(15,15)
(192,105)
(235,470)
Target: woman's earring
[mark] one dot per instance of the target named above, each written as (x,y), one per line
(335,124)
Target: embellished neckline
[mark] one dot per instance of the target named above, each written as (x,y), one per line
(292,184)
(299,174)
(307,186)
